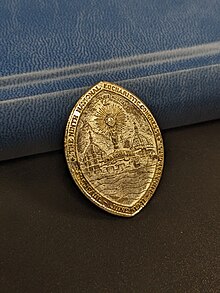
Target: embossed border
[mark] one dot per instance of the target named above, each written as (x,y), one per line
(71,152)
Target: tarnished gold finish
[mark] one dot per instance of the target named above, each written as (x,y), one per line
(114,149)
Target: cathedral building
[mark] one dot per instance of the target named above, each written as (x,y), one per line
(134,154)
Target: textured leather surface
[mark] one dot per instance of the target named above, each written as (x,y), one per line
(53,239)
(166,52)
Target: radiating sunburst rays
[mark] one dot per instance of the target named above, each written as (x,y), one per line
(110,117)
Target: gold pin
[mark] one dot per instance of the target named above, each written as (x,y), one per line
(114,149)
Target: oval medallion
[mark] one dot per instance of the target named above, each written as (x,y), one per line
(114,149)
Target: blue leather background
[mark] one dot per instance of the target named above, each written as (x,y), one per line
(165,51)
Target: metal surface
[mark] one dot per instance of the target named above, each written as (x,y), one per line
(114,149)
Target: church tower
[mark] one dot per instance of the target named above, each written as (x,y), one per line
(93,156)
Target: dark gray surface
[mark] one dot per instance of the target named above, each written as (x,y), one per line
(54,240)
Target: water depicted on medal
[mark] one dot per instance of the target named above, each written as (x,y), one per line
(116,149)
